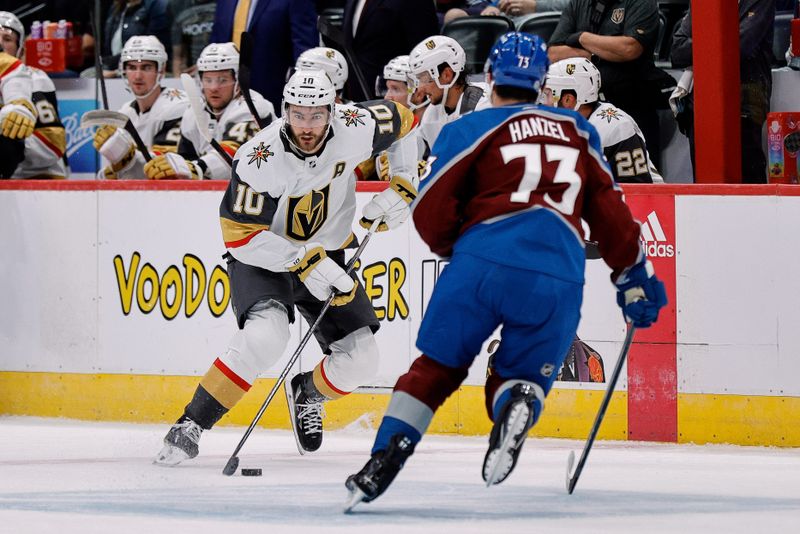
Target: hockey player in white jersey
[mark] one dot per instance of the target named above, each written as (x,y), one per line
(575,83)
(43,151)
(437,66)
(155,111)
(17,113)
(286,219)
(230,121)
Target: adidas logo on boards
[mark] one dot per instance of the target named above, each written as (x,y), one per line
(654,238)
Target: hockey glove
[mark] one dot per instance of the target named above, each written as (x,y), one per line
(114,144)
(172,166)
(391,205)
(640,294)
(320,274)
(17,119)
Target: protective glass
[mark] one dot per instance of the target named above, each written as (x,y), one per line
(210,82)
(422,78)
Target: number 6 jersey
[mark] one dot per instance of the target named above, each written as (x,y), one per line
(279,199)
(511,185)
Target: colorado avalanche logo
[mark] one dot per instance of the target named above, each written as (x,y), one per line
(352,117)
(609,114)
(259,154)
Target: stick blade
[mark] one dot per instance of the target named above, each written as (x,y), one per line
(102,117)
(197,103)
(571,472)
(231,466)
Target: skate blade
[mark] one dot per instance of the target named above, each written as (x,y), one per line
(355,497)
(287,389)
(500,463)
(170,456)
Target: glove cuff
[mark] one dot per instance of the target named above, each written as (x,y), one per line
(303,266)
(26,104)
(404,188)
(126,161)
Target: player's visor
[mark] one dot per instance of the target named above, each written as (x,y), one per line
(307,117)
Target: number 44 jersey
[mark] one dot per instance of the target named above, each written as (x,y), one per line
(511,184)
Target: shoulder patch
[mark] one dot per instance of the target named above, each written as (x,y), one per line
(260,154)
(352,116)
(609,114)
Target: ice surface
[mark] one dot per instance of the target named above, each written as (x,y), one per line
(63,476)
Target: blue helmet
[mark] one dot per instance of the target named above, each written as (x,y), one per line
(518,60)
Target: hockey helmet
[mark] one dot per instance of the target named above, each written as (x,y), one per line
(309,88)
(143,48)
(219,56)
(396,70)
(9,21)
(518,60)
(432,52)
(330,61)
(576,74)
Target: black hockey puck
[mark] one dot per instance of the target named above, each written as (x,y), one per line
(251,472)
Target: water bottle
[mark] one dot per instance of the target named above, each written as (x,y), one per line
(61,29)
(36,30)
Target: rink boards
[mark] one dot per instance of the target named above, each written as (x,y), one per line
(115,299)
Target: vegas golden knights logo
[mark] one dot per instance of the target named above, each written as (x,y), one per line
(570,69)
(329,54)
(430,45)
(305,215)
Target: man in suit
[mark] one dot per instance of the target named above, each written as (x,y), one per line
(378,30)
(281,29)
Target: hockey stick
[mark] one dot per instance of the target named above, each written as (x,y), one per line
(574,474)
(98,68)
(245,61)
(336,35)
(100,117)
(201,117)
(233,461)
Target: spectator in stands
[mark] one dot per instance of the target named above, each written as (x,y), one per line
(127,18)
(518,10)
(756,20)
(281,30)
(377,31)
(43,151)
(191,30)
(619,37)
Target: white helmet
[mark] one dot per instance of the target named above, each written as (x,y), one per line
(219,56)
(143,48)
(432,52)
(9,21)
(309,88)
(577,74)
(331,61)
(397,69)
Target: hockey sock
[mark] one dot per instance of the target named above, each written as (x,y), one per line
(321,384)
(219,391)
(417,395)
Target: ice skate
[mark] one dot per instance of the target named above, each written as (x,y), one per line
(306,415)
(373,479)
(180,443)
(508,435)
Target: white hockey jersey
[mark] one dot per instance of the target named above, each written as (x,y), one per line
(159,127)
(279,199)
(435,116)
(623,145)
(234,127)
(44,150)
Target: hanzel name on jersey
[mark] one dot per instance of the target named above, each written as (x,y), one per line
(535,126)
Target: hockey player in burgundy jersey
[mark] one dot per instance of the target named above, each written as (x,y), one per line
(506,191)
